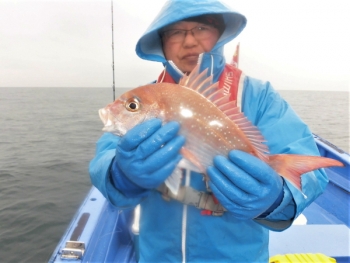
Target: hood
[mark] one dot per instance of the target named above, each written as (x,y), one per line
(149,46)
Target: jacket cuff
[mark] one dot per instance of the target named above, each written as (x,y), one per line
(287,208)
(124,184)
(275,204)
(100,177)
(282,217)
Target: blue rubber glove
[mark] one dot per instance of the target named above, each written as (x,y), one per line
(245,185)
(145,156)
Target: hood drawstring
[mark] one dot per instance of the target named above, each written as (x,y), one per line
(161,81)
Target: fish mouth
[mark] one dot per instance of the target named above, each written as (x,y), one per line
(109,122)
(104,116)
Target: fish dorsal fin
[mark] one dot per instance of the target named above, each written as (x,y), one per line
(204,85)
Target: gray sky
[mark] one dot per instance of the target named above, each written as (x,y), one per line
(299,44)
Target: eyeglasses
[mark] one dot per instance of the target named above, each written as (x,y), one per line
(199,32)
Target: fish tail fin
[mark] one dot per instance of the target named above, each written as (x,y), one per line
(292,166)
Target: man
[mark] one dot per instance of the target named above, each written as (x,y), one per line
(128,170)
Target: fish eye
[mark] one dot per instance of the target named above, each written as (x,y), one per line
(132,104)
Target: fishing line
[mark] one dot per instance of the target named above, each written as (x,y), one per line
(113,53)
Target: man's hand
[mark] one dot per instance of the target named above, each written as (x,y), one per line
(146,155)
(245,185)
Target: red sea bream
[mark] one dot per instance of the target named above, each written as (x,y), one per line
(210,122)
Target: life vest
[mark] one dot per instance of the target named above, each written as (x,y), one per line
(231,81)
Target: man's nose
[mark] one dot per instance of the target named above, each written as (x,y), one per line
(189,38)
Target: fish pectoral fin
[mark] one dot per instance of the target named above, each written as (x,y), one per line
(292,166)
(192,163)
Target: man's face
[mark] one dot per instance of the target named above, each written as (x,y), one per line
(183,48)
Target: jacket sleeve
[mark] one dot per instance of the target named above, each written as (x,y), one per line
(284,132)
(99,170)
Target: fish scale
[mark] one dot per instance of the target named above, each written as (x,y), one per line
(205,125)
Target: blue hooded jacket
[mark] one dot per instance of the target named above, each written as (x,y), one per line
(149,47)
(173,232)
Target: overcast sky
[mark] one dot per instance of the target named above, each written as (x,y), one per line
(299,44)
